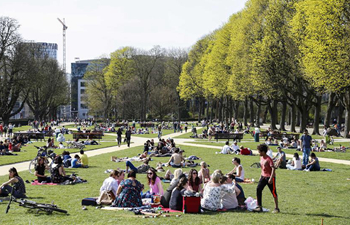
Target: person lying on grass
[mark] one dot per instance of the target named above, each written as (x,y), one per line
(139,158)
(141,169)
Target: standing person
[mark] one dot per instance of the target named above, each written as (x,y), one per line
(128,136)
(159,131)
(186,127)
(10,129)
(256,134)
(1,129)
(306,146)
(268,177)
(119,136)
(14,178)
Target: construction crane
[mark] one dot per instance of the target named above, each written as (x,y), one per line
(64,43)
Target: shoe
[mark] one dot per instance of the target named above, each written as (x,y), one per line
(276,211)
(258,209)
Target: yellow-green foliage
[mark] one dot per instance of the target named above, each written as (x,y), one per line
(321,29)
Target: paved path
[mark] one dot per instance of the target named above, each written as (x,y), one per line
(139,141)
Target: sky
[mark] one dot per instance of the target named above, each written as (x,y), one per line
(97,28)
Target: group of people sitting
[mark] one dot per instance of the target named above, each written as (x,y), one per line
(235,149)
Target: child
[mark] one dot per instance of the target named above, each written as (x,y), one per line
(204,172)
(268,177)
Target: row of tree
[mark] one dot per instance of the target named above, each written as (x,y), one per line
(28,75)
(136,84)
(277,54)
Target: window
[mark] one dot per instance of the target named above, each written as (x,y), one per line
(83,106)
(82,91)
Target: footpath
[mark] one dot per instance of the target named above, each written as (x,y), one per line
(139,141)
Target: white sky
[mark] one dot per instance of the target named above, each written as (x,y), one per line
(97,28)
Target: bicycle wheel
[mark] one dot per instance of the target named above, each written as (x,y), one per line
(50,208)
(49,162)
(32,166)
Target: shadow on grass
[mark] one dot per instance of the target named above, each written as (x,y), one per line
(326,215)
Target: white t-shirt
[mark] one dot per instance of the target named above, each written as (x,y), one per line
(229,200)
(242,172)
(226,149)
(297,163)
(110,184)
(269,153)
(235,147)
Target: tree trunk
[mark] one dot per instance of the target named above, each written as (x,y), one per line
(245,112)
(251,107)
(236,108)
(265,114)
(330,107)
(293,118)
(283,116)
(317,116)
(212,111)
(340,114)
(347,123)
(274,114)
(207,112)
(199,109)
(258,111)
(304,120)
(298,119)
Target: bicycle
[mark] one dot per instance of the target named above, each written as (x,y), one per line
(42,152)
(31,205)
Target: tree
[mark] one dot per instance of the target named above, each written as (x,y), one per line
(99,94)
(14,66)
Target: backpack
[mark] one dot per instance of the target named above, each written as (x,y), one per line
(55,175)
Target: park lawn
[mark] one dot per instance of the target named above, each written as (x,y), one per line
(22,128)
(189,133)
(29,152)
(303,196)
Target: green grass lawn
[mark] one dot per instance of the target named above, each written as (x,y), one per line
(303,196)
(155,135)
(189,133)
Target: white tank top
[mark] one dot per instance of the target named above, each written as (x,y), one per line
(242,172)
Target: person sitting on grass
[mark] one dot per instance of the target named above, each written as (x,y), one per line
(229,200)
(176,199)
(129,192)
(40,171)
(213,192)
(296,163)
(314,164)
(194,183)
(112,182)
(237,170)
(141,169)
(164,201)
(268,177)
(154,182)
(280,158)
(58,174)
(176,159)
(226,149)
(235,148)
(204,173)
(75,162)
(84,159)
(245,151)
(14,179)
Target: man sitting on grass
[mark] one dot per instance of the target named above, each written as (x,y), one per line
(176,159)
(226,149)
(84,159)
(75,162)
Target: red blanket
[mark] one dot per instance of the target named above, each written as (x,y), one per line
(36,182)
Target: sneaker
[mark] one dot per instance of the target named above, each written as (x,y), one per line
(258,209)
(276,211)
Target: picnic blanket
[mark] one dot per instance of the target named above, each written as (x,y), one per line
(36,182)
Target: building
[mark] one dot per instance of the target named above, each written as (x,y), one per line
(79,108)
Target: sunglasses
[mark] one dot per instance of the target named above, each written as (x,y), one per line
(149,173)
(194,173)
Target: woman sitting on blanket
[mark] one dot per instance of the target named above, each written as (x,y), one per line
(129,192)
(176,200)
(173,184)
(19,187)
(213,192)
(58,174)
(40,171)
(154,182)
(194,183)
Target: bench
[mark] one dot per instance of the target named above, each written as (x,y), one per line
(120,124)
(147,124)
(228,136)
(36,136)
(91,135)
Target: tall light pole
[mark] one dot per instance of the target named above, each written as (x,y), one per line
(64,43)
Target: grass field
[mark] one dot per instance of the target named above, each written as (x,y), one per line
(304,197)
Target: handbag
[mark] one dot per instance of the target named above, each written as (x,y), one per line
(105,198)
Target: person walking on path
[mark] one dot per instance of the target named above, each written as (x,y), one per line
(119,136)
(128,136)
(306,146)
